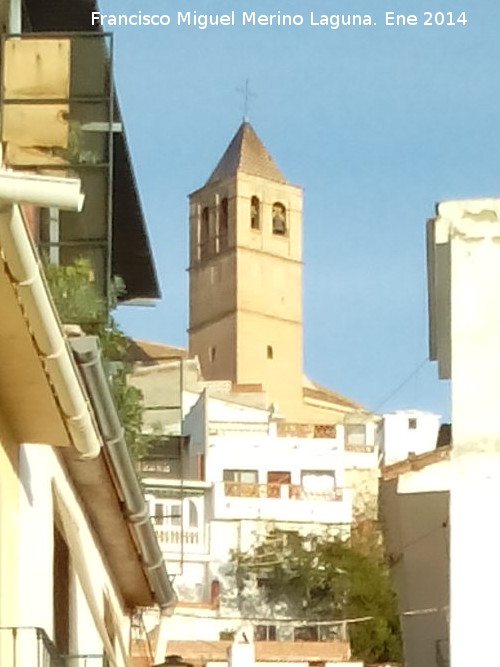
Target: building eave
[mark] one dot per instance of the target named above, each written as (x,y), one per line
(133,506)
(28,401)
(40,388)
(415,462)
(94,484)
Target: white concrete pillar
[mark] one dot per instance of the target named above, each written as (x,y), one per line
(470,346)
(241,655)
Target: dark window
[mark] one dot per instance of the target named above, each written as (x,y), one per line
(159,512)
(328,633)
(270,353)
(279,219)
(204,233)
(412,423)
(306,633)
(255,213)
(211,354)
(61,587)
(223,224)
(265,633)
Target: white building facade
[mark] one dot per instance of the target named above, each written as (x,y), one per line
(246,473)
(405,432)
(464,272)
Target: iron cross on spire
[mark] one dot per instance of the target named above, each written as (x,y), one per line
(247,94)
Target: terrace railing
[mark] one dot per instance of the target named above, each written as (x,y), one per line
(32,647)
(279,491)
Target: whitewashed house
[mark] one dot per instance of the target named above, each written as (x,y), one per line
(237,472)
(405,432)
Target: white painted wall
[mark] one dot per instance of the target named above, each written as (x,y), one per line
(238,437)
(263,453)
(407,432)
(47,495)
(464,261)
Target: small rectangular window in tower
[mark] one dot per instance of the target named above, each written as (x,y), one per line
(279,219)
(204,233)
(270,353)
(412,423)
(211,354)
(223,224)
(255,213)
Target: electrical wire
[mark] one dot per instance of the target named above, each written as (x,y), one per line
(401,385)
(301,621)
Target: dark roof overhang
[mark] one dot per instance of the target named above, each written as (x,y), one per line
(132,257)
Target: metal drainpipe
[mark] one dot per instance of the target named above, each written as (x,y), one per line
(88,358)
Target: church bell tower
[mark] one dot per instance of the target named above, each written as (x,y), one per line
(245,273)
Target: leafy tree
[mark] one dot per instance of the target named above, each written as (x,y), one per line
(77,301)
(75,295)
(129,405)
(322,578)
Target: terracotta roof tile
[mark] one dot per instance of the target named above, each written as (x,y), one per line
(320,393)
(199,652)
(415,462)
(148,352)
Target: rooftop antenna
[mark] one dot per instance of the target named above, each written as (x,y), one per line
(247,94)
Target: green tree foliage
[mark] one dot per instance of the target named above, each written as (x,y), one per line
(74,293)
(129,405)
(321,578)
(77,301)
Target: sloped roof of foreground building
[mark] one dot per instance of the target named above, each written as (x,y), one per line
(43,400)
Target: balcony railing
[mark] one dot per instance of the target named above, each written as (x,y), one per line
(359,448)
(293,430)
(88,660)
(152,467)
(32,647)
(279,491)
(176,536)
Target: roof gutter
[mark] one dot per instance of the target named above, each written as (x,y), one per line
(27,276)
(88,357)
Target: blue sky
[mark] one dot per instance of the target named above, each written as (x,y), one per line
(376,123)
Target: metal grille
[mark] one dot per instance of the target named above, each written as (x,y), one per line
(32,647)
